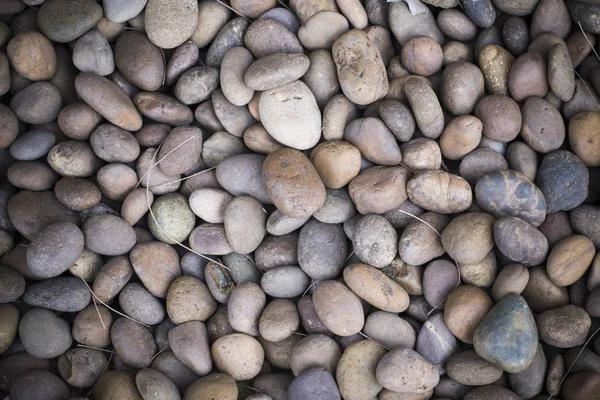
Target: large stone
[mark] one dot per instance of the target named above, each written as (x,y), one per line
(510,194)
(508,335)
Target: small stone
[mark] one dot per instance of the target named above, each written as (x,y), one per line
(585,12)
(108,100)
(508,335)
(482,13)
(530,382)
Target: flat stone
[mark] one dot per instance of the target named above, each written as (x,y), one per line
(508,335)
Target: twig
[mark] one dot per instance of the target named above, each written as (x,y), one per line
(440,235)
(162,53)
(588,40)
(362,334)
(234,10)
(587,87)
(94,348)
(350,255)
(110,308)
(420,220)
(185,178)
(573,363)
(112,353)
(159,161)
(98,312)
(308,288)
(254,389)
(156,355)
(152,166)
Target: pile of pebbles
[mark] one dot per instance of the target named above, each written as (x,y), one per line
(299,200)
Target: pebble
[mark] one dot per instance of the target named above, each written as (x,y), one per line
(314,382)
(43,334)
(530,382)
(467,368)
(65,20)
(563,179)
(527,252)
(66,294)
(290,114)
(118,11)
(322,249)
(564,327)
(108,235)
(170,23)
(172,219)
(157,266)
(108,100)
(292,183)
(55,249)
(32,145)
(435,342)
(267,36)
(93,54)
(509,193)
(396,372)
(38,103)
